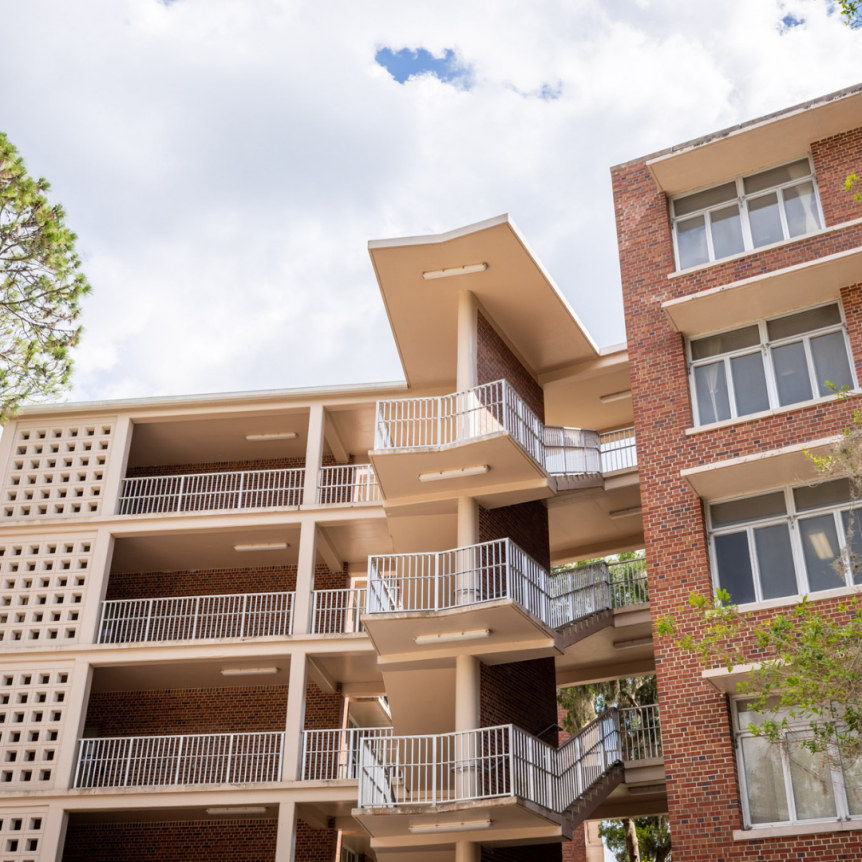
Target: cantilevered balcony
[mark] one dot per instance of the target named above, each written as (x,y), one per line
(477,439)
(490,596)
(170,761)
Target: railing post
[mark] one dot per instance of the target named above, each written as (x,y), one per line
(229,758)
(180,494)
(179,761)
(128,762)
(241,489)
(149,619)
(433,770)
(243,613)
(101,624)
(195,620)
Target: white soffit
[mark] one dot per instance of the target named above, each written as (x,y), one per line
(768,141)
(515,290)
(765,295)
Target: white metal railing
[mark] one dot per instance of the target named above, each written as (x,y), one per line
(458,578)
(571,451)
(619,450)
(587,756)
(199,492)
(147,761)
(641,732)
(241,615)
(329,755)
(337,611)
(348,483)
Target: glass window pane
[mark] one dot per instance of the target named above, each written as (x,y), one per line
(691,242)
(725,342)
(791,373)
(820,549)
(825,494)
(734,567)
(830,362)
(704,200)
(776,176)
(800,208)
(713,402)
(764,780)
(804,321)
(853,785)
(749,509)
(749,383)
(765,220)
(811,779)
(775,561)
(726,231)
(853,532)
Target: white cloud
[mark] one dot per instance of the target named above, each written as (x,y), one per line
(225,161)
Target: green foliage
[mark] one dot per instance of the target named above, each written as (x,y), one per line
(584,702)
(41,287)
(851,181)
(653,834)
(851,12)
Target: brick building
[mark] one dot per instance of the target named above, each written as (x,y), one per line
(324,624)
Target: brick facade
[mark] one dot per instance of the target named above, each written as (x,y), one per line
(576,849)
(521,693)
(495,361)
(525,524)
(172,841)
(315,845)
(699,752)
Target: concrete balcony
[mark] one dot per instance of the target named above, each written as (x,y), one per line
(171,761)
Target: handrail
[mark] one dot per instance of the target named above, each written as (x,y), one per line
(330,755)
(173,618)
(150,761)
(199,492)
(347,483)
(641,729)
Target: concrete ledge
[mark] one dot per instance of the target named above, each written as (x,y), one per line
(796,829)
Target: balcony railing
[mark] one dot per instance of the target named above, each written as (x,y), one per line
(158,761)
(416,423)
(330,755)
(591,587)
(348,483)
(242,615)
(337,611)
(641,733)
(200,492)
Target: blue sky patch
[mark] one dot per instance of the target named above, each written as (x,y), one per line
(789,21)
(406,64)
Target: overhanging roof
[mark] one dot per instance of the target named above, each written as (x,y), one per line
(515,290)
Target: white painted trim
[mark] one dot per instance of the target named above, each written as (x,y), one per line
(796,829)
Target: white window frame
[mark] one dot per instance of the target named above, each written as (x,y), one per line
(765,347)
(742,199)
(791,518)
(842,807)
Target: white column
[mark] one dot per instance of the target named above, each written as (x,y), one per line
(97,587)
(285,844)
(295,721)
(465,851)
(468,522)
(73,724)
(53,835)
(467,374)
(121,442)
(468,534)
(10,430)
(305,577)
(313,454)
(466,692)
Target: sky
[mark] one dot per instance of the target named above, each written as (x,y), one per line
(224,162)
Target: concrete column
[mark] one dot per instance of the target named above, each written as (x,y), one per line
(313,454)
(97,587)
(467,373)
(9,432)
(53,835)
(295,721)
(468,522)
(73,724)
(121,442)
(468,534)
(285,844)
(466,692)
(305,577)
(466,851)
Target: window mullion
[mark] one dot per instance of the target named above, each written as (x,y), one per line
(812,373)
(755,568)
(788,784)
(781,214)
(731,389)
(710,250)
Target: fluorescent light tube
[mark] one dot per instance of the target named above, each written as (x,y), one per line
(281,435)
(248,671)
(251,809)
(616,396)
(263,546)
(455,270)
(626,513)
(447,637)
(463,826)
(454,474)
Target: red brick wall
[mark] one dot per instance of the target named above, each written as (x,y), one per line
(835,158)
(576,849)
(495,361)
(702,790)
(521,693)
(525,524)
(216,467)
(323,711)
(172,841)
(315,845)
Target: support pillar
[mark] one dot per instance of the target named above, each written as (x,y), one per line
(305,578)
(295,721)
(467,370)
(467,851)
(54,836)
(313,454)
(121,443)
(73,726)
(285,843)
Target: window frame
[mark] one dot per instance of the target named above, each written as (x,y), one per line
(839,790)
(791,517)
(766,347)
(742,200)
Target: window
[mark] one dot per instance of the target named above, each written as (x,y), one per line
(789,784)
(772,363)
(786,543)
(746,213)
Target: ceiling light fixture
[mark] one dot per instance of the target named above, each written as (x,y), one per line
(455,270)
(248,671)
(280,435)
(463,826)
(263,546)
(616,396)
(632,643)
(626,513)
(447,637)
(250,809)
(460,473)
